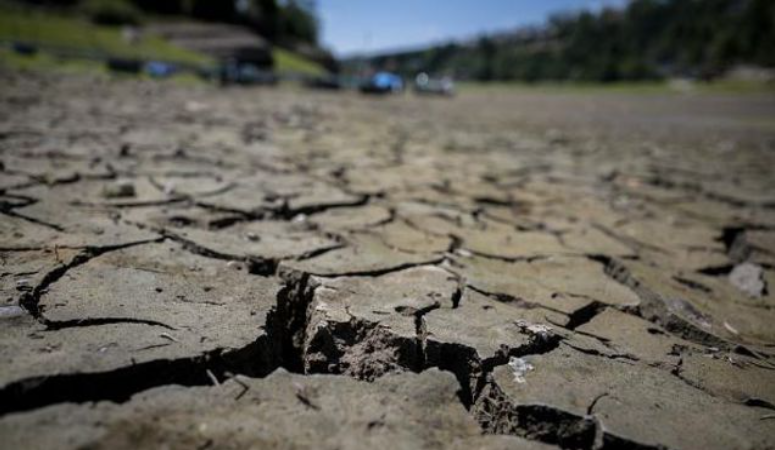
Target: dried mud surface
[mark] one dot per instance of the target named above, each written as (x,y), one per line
(188,267)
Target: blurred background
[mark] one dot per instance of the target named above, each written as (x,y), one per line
(386,47)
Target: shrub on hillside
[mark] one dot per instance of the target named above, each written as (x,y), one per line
(111,12)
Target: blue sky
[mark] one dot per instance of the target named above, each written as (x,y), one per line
(358,26)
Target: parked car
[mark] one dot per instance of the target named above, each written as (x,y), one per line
(24,48)
(236,72)
(125,65)
(424,84)
(326,82)
(383,83)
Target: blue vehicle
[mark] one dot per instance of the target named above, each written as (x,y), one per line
(383,83)
(160,69)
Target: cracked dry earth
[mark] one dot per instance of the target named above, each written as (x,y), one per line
(188,267)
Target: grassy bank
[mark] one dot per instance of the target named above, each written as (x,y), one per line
(76,33)
(286,61)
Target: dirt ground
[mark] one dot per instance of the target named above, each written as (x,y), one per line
(190,267)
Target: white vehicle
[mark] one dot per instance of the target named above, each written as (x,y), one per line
(424,84)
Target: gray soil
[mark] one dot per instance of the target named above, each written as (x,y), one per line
(188,267)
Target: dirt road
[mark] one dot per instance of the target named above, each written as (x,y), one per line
(189,267)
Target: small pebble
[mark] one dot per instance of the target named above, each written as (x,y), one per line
(119,189)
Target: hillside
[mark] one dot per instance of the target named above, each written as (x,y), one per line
(87,43)
(649,39)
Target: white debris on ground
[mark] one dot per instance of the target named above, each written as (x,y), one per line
(520,367)
(749,278)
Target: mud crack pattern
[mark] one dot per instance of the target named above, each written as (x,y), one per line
(187,267)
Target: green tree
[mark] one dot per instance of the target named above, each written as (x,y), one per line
(298,24)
